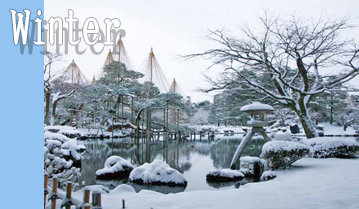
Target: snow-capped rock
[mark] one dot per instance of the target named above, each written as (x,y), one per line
(224,175)
(157,172)
(115,167)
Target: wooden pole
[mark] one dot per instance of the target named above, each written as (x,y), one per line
(96,199)
(123,203)
(132,119)
(68,194)
(87,198)
(122,112)
(46,180)
(54,193)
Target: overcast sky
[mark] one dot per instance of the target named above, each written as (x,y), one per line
(178,27)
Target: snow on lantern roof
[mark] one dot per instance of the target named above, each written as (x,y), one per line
(256,106)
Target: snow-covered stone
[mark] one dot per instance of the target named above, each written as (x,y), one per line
(224,175)
(115,167)
(157,172)
(251,166)
(122,189)
(268,175)
(325,147)
(281,154)
(282,136)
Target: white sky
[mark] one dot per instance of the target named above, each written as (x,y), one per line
(178,27)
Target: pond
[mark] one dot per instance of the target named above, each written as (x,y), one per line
(192,158)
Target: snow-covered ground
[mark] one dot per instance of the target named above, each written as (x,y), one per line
(311,183)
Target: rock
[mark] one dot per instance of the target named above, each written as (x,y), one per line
(157,172)
(115,168)
(268,175)
(224,175)
(294,128)
(251,167)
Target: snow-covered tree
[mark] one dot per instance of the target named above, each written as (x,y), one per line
(288,52)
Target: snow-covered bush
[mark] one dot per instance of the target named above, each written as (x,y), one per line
(62,158)
(115,167)
(281,154)
(157,172)
(251,166)
(325,147)
(71,133)
(224,175)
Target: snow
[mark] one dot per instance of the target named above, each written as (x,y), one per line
(337,130)
(71,147)
(58,128)
(114,164)
(311,183)
(282,136)
(256,106)
(122,189)
(157,172)
(250,159)
(276,146)
(226,173)
(55,136)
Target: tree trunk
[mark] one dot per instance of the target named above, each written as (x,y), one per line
(47,108)
(307,125)
(54,105)
(331,109)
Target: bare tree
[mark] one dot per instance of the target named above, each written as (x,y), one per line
(50,58)
(55,99)
(292,54)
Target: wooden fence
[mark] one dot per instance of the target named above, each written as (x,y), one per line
(53,197)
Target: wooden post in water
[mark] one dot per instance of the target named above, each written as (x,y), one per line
(87,198)
(46,180)
(68,194)
(54,193)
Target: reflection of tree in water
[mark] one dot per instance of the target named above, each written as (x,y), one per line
(223,151)
(177,155)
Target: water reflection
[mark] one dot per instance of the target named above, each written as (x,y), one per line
(192,158)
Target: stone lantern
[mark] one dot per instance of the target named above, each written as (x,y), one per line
(258,120)
(257,112)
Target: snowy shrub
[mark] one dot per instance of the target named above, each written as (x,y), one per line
(224,175)
(115,168)
(325,147)
(281,154)
(157,172)
(268,175)
(62,158)
(70,133)
(56,129)
(251,166)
